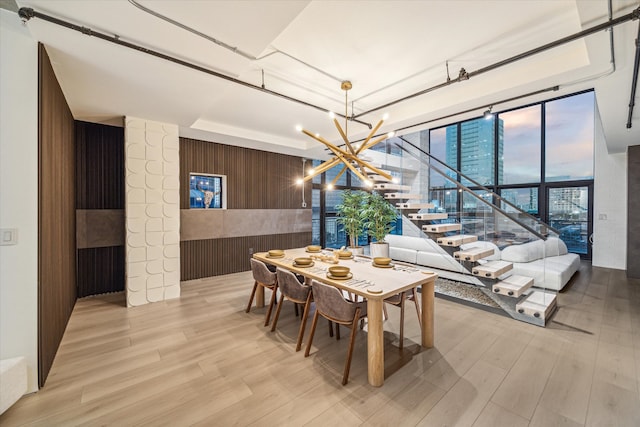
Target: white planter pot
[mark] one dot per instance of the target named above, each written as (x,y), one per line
(379,250)
(358,250)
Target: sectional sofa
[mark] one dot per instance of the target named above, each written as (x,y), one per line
(548,262)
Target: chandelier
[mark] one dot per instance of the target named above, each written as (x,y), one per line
(349,157)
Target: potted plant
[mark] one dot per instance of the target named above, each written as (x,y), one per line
(351,217)
(381,216)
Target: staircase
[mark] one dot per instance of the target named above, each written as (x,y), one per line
(515,294)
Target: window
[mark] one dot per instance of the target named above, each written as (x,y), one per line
(521,147)
(569,130)
(478,151)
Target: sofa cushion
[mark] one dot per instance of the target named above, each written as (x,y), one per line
(554,247)
(439,260)
(411,242)
(526,252)
(550,273)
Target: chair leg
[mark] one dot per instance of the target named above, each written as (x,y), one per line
(384,311)
(271,303)
(277,315)
(295,308)
(337,331)
(311,332)
(402,298)
(418,312)
(303,324)
(253,293)
(330,328)
(352,340)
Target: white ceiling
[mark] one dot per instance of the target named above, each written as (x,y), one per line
(387,49)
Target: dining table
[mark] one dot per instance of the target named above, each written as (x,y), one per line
(370,282)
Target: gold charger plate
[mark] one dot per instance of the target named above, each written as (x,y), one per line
(313,252)
(303,265)
(276,256)
(345,257)
(374,290)
(382,266)
(347,277)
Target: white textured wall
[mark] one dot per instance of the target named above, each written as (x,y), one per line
(152,211)
(19,193)
(609,205)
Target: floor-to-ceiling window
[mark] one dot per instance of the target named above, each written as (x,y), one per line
(538,157)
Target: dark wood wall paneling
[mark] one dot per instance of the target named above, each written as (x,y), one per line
(255,180)
(633,211)
(206,258)
(56,215)
(100,185)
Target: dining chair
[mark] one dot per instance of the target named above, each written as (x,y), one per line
(267,279)
(331,304)
(293,289)
(398,300)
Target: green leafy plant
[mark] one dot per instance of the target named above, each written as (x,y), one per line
(380,216)
(351,214)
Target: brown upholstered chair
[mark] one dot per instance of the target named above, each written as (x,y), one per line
(398,300)
(267,279)
(330,304)
(292,289)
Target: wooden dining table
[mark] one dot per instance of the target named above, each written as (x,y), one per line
(373,284)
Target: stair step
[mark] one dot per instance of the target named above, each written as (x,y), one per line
(379,178)
(392,186)
(404,196)
(473,254)
(457,240)
(492,269)
(428,216)
(513,286)
(538,304)
(441,228)
(414,205)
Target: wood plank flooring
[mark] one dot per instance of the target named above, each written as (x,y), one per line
(201,360)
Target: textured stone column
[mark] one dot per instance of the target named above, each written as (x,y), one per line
(152,211)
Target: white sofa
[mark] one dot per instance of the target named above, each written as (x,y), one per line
(547,262)
(13,381)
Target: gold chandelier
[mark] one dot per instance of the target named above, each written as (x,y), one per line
(349,157)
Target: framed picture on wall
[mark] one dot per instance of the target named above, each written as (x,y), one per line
(207,191)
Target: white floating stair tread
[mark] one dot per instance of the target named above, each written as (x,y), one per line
(538,304)
(414,205)
(457,240)
(428,216)
(379,178)
(473,254)
(492,269)
(392,186)
(513,286)
(441,228)
(404,196)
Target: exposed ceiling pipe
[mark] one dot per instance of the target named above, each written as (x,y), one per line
(634,79)
(611,44)
(233,49)
(464,75)
(26,13)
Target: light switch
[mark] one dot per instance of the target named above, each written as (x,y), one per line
(9,236)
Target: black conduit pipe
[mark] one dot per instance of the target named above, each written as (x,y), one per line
(464,75)
(26,13)
(634,80)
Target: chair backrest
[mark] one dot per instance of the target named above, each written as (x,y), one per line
(331,303)
(261,273)
(290,286)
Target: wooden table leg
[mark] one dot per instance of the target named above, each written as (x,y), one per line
(375,342)
(428,297)
(260,296)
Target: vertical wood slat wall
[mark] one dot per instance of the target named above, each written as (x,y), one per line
(56,215)
(99,185)
(255,180)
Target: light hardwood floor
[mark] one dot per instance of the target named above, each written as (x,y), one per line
(201,360)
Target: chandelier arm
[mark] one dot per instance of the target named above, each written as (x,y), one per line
(373,132)
(375,142)
(329,145)
(373,168)
(328,164)
(335,180)
(344,136)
